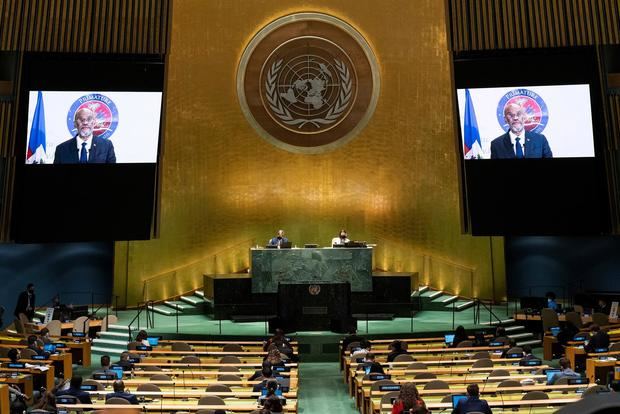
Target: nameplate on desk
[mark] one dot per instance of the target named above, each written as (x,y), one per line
(16,365)
(282,369)
(496,344)
(40,357)
(66,400)
(134,360)
(105,377)
(379,377)
(144,348)
(578,381)
(515,355)
(59,345)
(579,338)
(530,363)
(76,334)
(393,387)
(89,387)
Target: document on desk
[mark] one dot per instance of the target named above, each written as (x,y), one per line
(41,368)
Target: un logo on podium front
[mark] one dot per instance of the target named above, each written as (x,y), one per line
(308,82)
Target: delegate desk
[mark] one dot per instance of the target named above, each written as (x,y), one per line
(23,381)
(232,406)
(491,390)
(195,382)
(42,377)
(94,325)
(62,361)
(363,386)
(521,316)
(270,267)
(190,372)
(4,398)
(532,406)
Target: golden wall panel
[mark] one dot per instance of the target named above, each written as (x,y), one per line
(224,188)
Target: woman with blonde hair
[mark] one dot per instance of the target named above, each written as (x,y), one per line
(409,401)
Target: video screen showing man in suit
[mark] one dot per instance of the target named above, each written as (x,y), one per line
(85,148)
(517,142)
(526,122)
(82,127)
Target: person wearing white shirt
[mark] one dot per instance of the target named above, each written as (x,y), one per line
(341,240)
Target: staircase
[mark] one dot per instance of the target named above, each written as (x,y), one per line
(437,300)
(191,304)
(517,333)
(113,341)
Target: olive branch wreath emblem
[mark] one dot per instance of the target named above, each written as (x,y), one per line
(285,115)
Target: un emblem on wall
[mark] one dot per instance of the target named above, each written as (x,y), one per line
(308,82)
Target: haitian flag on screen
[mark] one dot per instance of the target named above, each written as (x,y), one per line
(472,148)
(36,141)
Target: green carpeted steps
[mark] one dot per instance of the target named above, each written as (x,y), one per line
(190,304)
(163,310)
(463,304)
(516,333)
(440,302)
(111,342)
(437,300)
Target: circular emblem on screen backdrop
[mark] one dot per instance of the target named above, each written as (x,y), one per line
(104,109)
(308,82)
(535,109)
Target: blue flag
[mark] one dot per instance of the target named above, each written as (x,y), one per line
(471,135)
(36,142)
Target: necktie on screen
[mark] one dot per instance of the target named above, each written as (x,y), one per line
(83,157)
(518,148)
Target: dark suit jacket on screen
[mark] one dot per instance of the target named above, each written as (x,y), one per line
(536,146)
(101,152)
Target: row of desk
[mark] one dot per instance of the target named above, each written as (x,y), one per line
(453,366)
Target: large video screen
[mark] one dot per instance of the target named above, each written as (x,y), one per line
(550,121)
(88,132)
(92,127)
(532,142)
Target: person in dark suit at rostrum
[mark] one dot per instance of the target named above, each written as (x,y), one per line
(278,240)
(517,142)
(84,147)
(25,302)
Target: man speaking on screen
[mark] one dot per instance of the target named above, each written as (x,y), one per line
(85,148)
(517,142)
